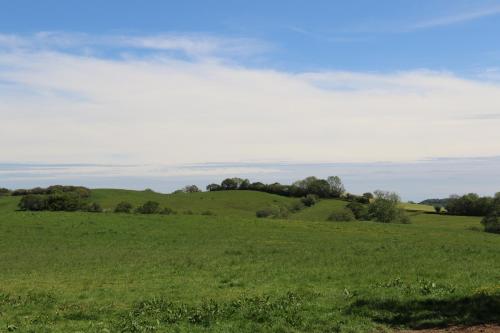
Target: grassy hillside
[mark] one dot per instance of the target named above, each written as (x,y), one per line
(418,207)
(109,272)
(320,211)
(227,203)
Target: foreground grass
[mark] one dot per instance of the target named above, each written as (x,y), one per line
(87,272)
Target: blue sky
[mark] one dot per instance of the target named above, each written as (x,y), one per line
(453,35)
(272,90)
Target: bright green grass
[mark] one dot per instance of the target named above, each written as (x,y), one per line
(418,207)
(320,211)
(68,272)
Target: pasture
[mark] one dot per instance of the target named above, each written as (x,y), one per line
(232,272)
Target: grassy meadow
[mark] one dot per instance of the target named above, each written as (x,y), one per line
(232,272)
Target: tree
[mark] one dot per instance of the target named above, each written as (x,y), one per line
(213,187)
(438,209)
(230,184)
(191,189)
(123,207)
(385,208)
(336,186)
(94,207)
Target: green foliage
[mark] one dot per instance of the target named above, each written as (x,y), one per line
(123,207)
(359,210)
(385,208)
(278,212)
(33,202)
(491,223)
(345,215)
(309,200)
(470,204)
(149,207)
(94,207)
(168,211)
(190,189)
(5,191)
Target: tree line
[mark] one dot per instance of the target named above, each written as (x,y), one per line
(331,187)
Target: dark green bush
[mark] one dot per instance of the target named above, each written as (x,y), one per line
(65,201)
(344,215)
(385,208)
(359,210)
(149,207)
(168,211)
(309,200)
(123,207)
(94,207)
(492,223)
(33,202)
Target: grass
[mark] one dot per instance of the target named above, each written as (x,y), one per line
(88,272)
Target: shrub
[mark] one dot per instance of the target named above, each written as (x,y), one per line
(385,208)
(344,215)
(208,213)
(359,210)
(33,202)
(94,207)
(274,212)
(309,200)
(168,211)
(149,207)
(4,191)
(65,201)
(123,207)
(492,223)
(191,189)
(296,206)
(266,212)
(438,209)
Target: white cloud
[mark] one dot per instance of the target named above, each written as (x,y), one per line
(62,107)
(460,17)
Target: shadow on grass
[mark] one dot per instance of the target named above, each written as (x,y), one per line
(430,313)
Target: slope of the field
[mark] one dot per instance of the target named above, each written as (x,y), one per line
(418,207)
(320,211)
(91,272)
(223,203)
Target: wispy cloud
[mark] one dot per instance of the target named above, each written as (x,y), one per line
(60,106)
(456,18)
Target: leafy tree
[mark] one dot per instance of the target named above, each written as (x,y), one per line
(438,209)
(191,189)
(385,208)
(123,207)
(336,186)
(213,187)
(149,207)
(230,184)
(33,202)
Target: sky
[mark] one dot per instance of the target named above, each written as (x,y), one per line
(391,95)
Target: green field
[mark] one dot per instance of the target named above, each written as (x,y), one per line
(232,272)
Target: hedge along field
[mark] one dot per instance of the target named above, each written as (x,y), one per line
(105,272)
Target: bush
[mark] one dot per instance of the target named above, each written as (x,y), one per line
(33,202)
(438,209)
(149,207)
(94,207)
(65,201)
(208,213)
(344,215)
(4,191)
(385,208)
(296,206)
(168,211)
(359,210)
(123,207)
(309,200)
(492,223)
(274,212)
(266,212)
